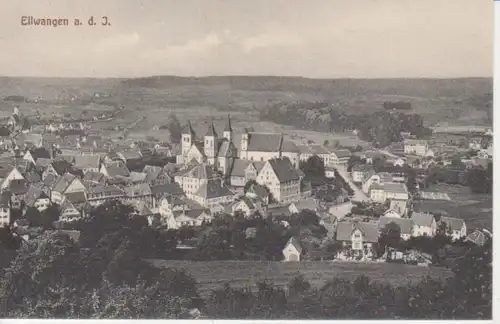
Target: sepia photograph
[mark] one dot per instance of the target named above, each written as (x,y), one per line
(287,159)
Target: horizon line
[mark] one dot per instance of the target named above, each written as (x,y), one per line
(247,76)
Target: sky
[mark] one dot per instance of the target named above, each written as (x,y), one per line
(313,38)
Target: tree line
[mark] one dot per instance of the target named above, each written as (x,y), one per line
(380,128)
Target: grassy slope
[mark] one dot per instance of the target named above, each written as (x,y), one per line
(214,274)
(463,100)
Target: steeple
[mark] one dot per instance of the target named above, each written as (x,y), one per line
(211,130)
(228,127)
(188,129)
(228,130)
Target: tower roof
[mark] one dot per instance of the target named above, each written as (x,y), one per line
(228,127)
(188,129)
(211,130)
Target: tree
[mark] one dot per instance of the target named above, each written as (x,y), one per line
(390,236)
(313,168)
(175,128)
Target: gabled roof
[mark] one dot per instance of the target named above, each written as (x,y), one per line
(405,224)
(239,167)
(346,229)
(422,219)
(50,180)
(87,161)
(189,215)
(76,198)
(213,189)
(137,176)
(94,176)
(168,188)
(107,190)
(40,152)
(34,193)
(43,162)
(284,169)
(117,169)
(61,166)
(226,148)
(64,182)
(295,243)
(152,172)
(202,171)
(141,189)
(309,203)
(313,149)
(264,142)
(455,224)
(18,187)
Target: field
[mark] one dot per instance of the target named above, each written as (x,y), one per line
(475,209)
(456,101)
(213,274)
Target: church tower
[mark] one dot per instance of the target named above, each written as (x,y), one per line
(187,139)
(228,130)
(244,145)
(210,144)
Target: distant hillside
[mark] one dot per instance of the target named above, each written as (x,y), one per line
(456,101)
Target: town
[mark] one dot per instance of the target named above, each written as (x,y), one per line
(357,197)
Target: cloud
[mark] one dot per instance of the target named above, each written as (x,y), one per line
(117,43)
(273,37)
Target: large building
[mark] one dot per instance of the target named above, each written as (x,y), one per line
(282,179)
(218,152)
(265,146)
(416,147)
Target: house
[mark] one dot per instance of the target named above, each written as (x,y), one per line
(192,180)
(18,190)
(94,178)
(339,157)
(14,174)
(380,193)
(246,205)
(307,151)
(212,193)
(265,146)
(87,163)
(158,192)
(358,240)
(397,209)
(415,147)
(115,169)
(244,171)
(100,194)
(5,208)
(479,237)
(169,204)
(34,154)
(361,172)
(282,179)
(156,175)
(256,191)
(69,212)
(303,204)
(37,197)
(192,217)
(139,192)
(66,184)
(292,250)
(455,227)
(405,225)
(424,224)
(57,168)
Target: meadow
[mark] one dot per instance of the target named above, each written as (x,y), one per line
(475,209)
(214,274)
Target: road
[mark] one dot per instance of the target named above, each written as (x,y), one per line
(359,195)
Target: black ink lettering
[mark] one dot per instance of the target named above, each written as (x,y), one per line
(77,22)
(91,21)
(104,21)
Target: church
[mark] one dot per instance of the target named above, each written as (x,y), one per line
(218,152)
